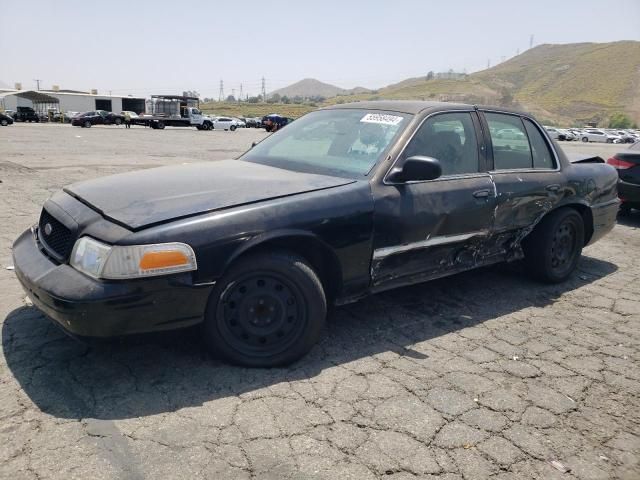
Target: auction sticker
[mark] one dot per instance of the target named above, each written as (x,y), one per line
(381,118)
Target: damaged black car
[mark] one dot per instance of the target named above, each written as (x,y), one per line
(345,202)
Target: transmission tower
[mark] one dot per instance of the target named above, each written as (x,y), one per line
(221,93)
(240,96)
(264,91)
(37,80)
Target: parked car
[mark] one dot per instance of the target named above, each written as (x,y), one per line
(97,117)
(5,119)
(26,114)
(225,123)
(275,122)
(555,133)
(253,122)
(627,162)
(345,202)
(592,135)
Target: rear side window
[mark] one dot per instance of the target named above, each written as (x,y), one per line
(450,138)
(510,143)
(542,155)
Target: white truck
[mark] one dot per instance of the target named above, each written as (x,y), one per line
(173,111)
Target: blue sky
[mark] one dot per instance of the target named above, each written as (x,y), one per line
(144,47)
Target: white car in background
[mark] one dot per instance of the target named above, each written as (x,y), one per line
(226,123)
(554,133)
(595,135)
(131,114)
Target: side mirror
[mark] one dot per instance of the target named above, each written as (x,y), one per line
(416,168)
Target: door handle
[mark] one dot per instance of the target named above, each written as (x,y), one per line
(482,194)
(553,188)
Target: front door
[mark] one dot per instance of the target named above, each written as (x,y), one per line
(428,229)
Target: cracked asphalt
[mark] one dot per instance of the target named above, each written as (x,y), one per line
(486,374)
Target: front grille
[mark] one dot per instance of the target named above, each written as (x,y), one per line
(55,237)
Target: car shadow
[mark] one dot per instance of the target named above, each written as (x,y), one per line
(631,219)
(160,373)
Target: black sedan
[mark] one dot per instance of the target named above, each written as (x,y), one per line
(627,163)
(5,119)
(345,202)
(97,117)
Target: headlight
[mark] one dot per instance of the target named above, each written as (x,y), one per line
(100,260)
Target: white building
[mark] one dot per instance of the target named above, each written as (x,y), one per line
(68,101)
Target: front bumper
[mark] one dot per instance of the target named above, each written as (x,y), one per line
(87,307)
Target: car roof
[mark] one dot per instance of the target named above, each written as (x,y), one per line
(416,106)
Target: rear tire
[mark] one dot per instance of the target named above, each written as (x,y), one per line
(268,310)
(4,123)
(87,124)
(160,125)
(553,249)
(117,121)
(585,139)
(232,128)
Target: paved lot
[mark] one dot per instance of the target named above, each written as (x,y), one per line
(486,374)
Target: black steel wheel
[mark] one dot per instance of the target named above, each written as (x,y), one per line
(553,249)
(4,122)
(118,121)
(87,124)
(268,310)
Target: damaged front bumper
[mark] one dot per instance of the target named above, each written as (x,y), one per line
(87,307)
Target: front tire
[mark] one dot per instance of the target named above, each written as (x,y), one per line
(4,123)
(553,249)
(268,310)
(118,121)
(87,124)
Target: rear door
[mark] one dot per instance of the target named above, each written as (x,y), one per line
(428,229)
(525,171)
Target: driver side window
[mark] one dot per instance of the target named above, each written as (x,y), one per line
(449,138)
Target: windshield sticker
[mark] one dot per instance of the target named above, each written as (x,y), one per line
(381,118)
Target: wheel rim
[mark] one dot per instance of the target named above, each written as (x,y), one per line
(563,246)
(4,123)
(261,314)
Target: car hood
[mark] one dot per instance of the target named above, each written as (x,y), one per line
(143,198)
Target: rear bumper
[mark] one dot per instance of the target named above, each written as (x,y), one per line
(629,192)
(87,307)
(604,218)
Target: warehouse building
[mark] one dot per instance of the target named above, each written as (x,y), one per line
(43,101)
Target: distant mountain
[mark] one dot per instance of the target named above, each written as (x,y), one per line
(571,83)
(310,87)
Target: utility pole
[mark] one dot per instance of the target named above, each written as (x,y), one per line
(221,93)
(233,92)
(37,80)
(264,91)
(240,96)
(531,41)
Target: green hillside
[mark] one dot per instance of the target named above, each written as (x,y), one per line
(562,83)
